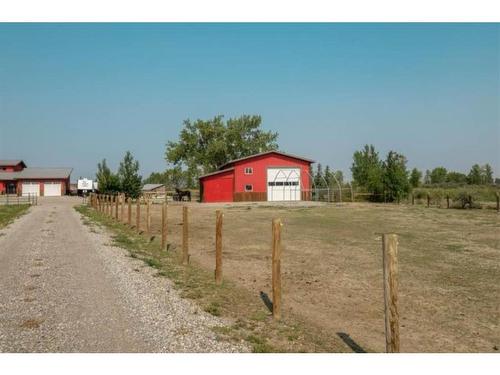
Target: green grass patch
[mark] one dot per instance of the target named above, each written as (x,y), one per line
(9,213)
(213,308)
(260,345)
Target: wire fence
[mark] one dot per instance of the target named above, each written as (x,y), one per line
(13,199)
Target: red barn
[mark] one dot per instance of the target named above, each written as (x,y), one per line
(268,176)
(17,178)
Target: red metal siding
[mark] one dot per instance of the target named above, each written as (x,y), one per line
(260,165)
(218,188)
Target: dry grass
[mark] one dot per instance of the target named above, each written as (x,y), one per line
(332,274)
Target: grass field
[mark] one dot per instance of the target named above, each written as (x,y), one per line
(332,269)
(10,213)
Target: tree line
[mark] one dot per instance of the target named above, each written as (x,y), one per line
(390,179)
(204,146)
(126,180)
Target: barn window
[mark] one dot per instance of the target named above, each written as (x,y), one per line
(248,187)
(248,170)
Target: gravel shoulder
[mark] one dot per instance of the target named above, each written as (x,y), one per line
(64,288)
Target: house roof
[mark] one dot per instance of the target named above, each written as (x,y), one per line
(148,187)
(217,172)
(34,173)
(10,163)
(266,153)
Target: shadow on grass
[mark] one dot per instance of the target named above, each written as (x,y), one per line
(267,301)
(350,342)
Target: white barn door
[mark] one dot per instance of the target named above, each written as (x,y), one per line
(283,184)
(30,188)
(52,189)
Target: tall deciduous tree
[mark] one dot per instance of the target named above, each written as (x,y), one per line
(205,145)
(367,170)
(487,174)
(128,173)
(415,177)
(475,175)
(438,175)
(395,176)
(107,181)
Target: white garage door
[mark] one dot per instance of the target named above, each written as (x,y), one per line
(283,184)
(52,189)
(30,188)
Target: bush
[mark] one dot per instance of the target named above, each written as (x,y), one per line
(464,200)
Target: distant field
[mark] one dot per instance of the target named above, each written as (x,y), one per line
(332,265)
(479,193)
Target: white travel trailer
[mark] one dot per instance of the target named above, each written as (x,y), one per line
(85,186)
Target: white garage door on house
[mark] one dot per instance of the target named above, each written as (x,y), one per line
(30,189)
(52,189)
(283,184)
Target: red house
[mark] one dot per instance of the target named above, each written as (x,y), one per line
(268,176)
(17,178)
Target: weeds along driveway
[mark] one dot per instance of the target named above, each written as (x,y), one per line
(64,289)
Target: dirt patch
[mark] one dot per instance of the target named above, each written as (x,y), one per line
(332,268)
(31,323)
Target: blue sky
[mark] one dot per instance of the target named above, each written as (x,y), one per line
(72,94)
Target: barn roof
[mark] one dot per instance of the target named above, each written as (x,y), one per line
(217,172)
(10,163)
(266,153)
(33,173)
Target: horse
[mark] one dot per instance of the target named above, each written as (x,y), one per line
(180,194)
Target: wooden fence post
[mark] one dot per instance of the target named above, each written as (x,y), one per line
(117,202)
(129,213)
(164,226)
(138,215)
(106,198)
(148,216)
(122,211)
(447,201)
(352,193)
(218,247)
(185,235)
(276,262)
(428,200)
(498,201)
(390,261)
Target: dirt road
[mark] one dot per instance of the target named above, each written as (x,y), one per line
(63,288)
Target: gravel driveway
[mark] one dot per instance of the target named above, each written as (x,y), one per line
(63,288)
